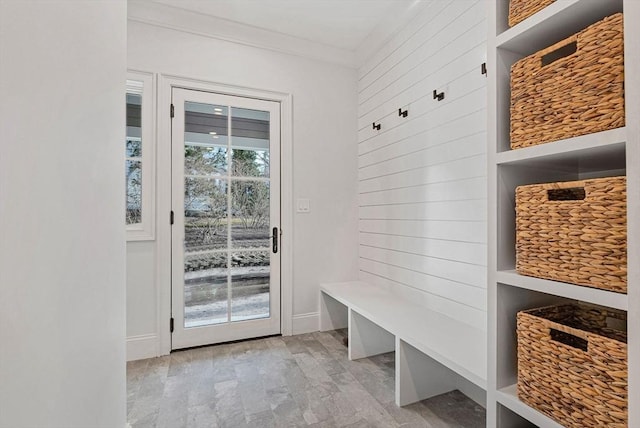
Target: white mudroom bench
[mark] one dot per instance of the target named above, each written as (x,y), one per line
(434,353)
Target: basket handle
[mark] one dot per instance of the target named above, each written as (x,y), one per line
(567,191)
(571,337)
(562,49)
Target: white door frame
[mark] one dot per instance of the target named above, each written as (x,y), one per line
(228,330)
(163,201)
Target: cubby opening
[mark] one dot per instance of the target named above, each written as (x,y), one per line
(512,300)
(610,162)
(551,25)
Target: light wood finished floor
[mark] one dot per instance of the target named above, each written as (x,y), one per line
(296,381)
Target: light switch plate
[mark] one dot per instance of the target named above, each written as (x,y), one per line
(303,206)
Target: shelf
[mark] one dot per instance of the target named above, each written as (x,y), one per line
(570,291)
(508,397)
(609,153)
(556,22)
(601,150)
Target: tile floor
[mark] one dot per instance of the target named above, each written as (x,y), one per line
(296,381)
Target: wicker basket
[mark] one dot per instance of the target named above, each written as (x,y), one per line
(519,10)
(574,232)
(572,364)
(572,88)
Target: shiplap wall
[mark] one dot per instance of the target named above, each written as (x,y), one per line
(422,179)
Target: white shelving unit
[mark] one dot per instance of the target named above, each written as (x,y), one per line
(603,154)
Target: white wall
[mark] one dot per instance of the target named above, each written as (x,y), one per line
(62,245)
(422,179)
(324,157)
(142,301)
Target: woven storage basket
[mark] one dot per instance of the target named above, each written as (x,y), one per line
(572,88)
(574,232)
(519,10)
(572,364)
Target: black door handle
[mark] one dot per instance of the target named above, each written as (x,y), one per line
(274,237)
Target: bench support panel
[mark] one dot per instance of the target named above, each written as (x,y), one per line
(333,314)
(419,376)
(367,338)
(471,390)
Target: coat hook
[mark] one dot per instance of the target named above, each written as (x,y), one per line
(376,127)
(438,96)
(403,113)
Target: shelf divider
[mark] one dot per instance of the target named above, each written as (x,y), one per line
(590,146)
(570,291)
(554,23)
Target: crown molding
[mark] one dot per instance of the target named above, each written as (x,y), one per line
(175,18)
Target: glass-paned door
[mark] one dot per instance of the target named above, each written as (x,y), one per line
(226,204)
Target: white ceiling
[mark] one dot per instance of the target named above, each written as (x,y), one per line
(343,24)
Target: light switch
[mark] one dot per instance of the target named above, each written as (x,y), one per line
(303,206)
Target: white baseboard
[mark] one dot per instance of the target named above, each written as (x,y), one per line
(306,323)
(142,346)
(147,345)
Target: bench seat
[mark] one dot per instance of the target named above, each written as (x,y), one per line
(434,353)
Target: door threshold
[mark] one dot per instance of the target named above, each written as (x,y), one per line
(250,339)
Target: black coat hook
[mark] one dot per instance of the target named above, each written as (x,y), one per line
(403,113)
(376,127)
(438,96)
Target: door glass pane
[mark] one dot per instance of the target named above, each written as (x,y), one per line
(205,214)
(249,285)
(205,289)
(205,119)
(203,160)
(249,142)
(205,136)
(250,163)
(250,214)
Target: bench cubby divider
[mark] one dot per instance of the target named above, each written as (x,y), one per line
(366,338)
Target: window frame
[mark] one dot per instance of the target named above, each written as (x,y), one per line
(145,230)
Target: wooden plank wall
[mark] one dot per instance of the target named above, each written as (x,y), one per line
(422,179)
